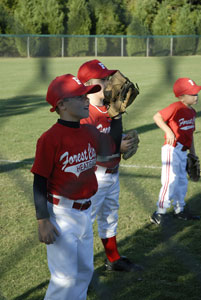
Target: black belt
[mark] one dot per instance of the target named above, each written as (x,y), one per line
(184,148)
(112,170)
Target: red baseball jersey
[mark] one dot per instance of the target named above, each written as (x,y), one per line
(181,119)
(66,157)
(99,117)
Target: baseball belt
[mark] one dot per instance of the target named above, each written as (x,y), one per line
(69,203)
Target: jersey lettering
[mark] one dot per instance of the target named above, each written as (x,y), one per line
(104,130)
(186,122)
(82,161)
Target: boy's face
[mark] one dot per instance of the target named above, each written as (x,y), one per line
(189,100)
(102,82)
(76,108)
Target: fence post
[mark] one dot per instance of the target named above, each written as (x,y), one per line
(96,46)
(147,47)
(171,46)
(62,47)
(122,46)
(28,50)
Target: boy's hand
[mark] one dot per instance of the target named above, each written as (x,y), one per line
(47,232)
(170,137)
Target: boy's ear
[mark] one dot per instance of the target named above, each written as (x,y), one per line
(60,105)
(180,97)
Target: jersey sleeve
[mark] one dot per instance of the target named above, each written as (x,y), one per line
(44,157)
(167,112)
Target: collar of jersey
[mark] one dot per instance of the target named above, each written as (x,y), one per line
(69,123)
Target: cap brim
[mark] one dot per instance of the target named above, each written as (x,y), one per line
(197,89)
(193,90)
(91,89)
(106,73)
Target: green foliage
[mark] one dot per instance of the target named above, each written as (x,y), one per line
(107,16)
(198,20)
(146,11)
(162,25)
(185,24)
(136,46)
(142,19)
(34,17)
(163,20)
(7,44)
(79,23)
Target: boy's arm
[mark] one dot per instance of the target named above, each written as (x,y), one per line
(46,230)
(116,132)
(170,137)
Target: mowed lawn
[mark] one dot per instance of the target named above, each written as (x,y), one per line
(171,255)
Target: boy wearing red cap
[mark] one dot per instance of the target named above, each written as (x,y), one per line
(64,182)
(105,203)
(178,122)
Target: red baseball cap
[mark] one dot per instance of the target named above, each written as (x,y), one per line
(67,86)
(185,86)
(93,69)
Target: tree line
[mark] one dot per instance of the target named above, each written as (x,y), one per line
(105,17)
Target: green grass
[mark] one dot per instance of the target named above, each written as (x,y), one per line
(171,256)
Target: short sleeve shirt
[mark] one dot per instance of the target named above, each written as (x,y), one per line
(99,117)
(67,157)
(181,119)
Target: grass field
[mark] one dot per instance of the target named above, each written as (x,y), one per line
(171,256)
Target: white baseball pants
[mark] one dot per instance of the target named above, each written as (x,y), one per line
(105,203)
(173,178)
(70,258)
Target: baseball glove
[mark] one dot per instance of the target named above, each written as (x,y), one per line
(193,167)
(131,134)
(119,93)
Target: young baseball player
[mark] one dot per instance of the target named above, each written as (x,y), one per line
(178,122)
(64,183)
(106,201)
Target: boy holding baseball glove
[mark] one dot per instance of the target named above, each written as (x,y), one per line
(178,122)
(106,201)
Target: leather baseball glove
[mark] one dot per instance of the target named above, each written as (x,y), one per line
(119,93)
(193,167)
(131,134)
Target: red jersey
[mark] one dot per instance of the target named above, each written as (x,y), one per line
(181,119)
(66,156)
(99,117)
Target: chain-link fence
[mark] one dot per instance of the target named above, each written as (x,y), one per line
(97,45)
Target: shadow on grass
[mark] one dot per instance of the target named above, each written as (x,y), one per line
(21,105)
(153,126)
(27,294)
(6,166)
(171,257)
